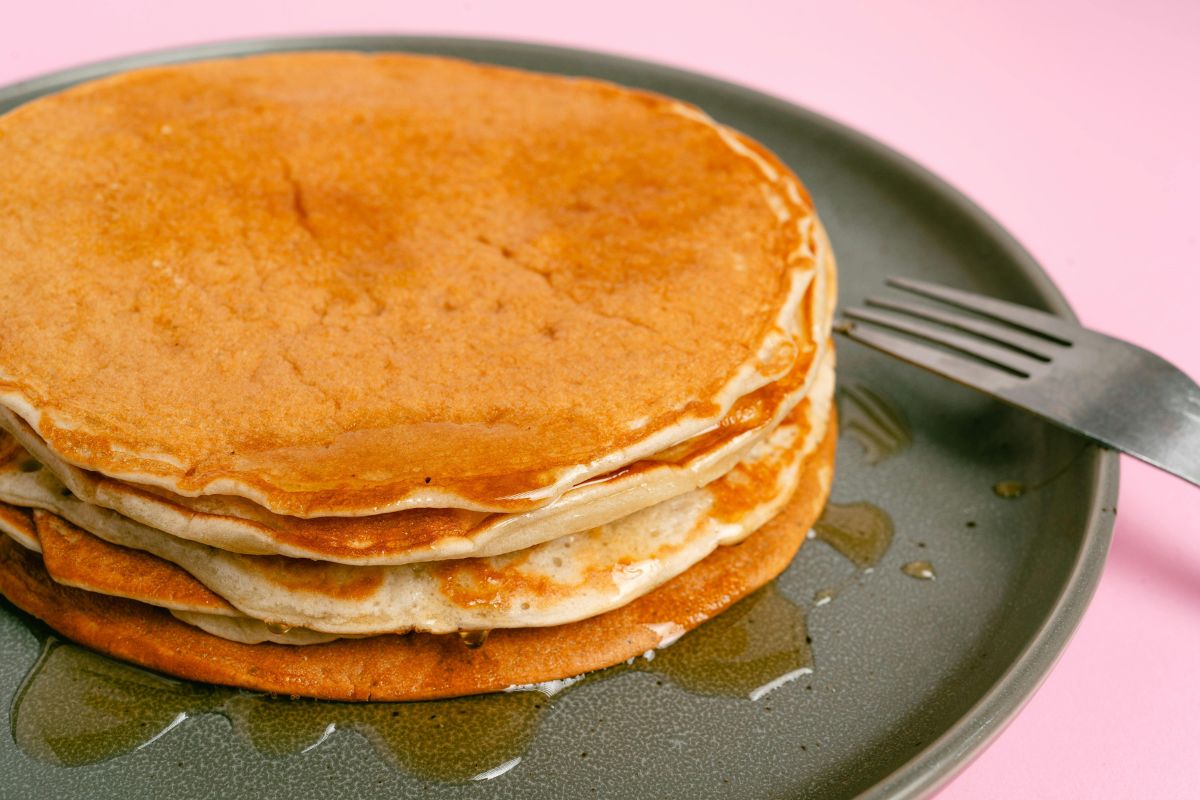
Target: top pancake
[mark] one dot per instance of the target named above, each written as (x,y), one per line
(339,284)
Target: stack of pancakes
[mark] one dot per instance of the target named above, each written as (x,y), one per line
(317,368)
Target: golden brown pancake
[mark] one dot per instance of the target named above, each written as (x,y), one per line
(74,557)
(343,284)
(425,534)
(413,318)
(423,666)
(573,577)
(17,522)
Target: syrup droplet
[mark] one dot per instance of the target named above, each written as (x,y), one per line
(278,628)
(921,570)
(861,532)
(823,597)
(473,639)
(1009,489)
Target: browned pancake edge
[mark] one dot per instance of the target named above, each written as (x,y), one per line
(421,666)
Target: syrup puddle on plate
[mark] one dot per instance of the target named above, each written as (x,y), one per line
(860,532)
(77,707)
(870,419)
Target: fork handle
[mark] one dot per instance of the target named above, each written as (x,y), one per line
(1183,458)
(1162,429)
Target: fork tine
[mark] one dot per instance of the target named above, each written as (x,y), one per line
(948,365)
(1032,346)
(1003,358)
(1029,319)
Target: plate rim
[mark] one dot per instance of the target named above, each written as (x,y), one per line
(946,756)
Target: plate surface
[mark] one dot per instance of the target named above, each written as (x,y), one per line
(909,678)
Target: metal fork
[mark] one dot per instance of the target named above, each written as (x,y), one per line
(1109,390)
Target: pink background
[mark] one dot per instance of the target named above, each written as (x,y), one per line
(1074,123)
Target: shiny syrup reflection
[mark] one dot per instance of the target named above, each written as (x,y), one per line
(77,707)
(873,421)
(860,532)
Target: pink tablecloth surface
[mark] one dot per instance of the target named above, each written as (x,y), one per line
(1077,124)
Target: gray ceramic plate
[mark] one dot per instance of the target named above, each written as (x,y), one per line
(909,678)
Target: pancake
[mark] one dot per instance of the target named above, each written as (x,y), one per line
(76,558)
(340,284)
(17,522)
(560,581)
(423,666)
(318,360)
(248,630)
(72,557)
(241,526)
